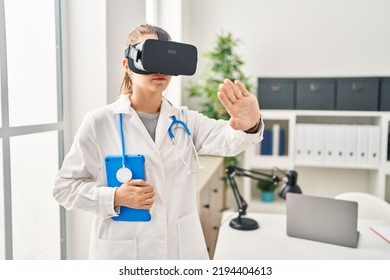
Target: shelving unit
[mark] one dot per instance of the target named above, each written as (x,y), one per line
(320,178)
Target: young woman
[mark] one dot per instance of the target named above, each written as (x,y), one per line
(174,231)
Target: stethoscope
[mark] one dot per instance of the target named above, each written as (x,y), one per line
(172,136)
(124,174)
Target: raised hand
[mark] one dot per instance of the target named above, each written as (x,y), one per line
(241,105)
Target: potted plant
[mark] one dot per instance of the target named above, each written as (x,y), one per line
(267,190)
(223,62)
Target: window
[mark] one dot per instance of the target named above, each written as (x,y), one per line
(2,225)
(31,129)
(31,60)
(35,227)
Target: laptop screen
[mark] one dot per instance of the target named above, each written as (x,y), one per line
(322,219)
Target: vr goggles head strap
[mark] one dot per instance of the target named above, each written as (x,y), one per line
(161,34)
(133,54)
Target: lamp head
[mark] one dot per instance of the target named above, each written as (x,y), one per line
(230,169)
(291,184)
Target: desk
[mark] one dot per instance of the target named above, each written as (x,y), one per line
(209,195)
(271,242)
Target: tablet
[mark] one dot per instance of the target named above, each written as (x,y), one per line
(136,164)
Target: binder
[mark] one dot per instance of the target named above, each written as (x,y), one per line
(275,139)
(309,142)
(282,141)
(330,143)
(388,145)
(278,140)
(340,143)
(374,144)
(299,142)
(362,144)
(350,143)
(318,142)
(266,143)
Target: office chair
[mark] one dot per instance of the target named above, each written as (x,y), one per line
(369,206)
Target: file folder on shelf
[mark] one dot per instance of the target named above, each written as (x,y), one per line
(266,143)
(282,141)
(350,143)
(374,136)
(362,144)
(273,141)
(299,142)
(340,143)
(330,142)
(278,140)
(309,142)
(318,142)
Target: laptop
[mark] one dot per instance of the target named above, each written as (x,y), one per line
(322,219)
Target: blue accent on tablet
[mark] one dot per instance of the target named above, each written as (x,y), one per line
(136,164)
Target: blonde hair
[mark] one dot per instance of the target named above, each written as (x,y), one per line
(132,38)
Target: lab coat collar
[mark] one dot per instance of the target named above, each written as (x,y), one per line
(122,105)
(164,121)
(167,110)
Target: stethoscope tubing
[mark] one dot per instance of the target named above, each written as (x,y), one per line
(175,121)
(122,140)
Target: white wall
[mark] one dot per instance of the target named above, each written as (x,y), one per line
(169,17)
(122,17)
(85,84)
(296,38)
(94,35)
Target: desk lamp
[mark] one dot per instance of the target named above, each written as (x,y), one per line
(240,222)
(290,185)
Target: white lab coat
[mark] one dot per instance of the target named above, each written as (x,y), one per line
(174,231)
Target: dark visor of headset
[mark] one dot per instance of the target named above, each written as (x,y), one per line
(164,57)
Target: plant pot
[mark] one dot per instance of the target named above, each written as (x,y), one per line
(267,196)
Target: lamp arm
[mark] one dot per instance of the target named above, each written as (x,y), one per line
(237,171)
(242,223)
(241,203)
(233,171)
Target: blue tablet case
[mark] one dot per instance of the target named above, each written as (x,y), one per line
(136,164)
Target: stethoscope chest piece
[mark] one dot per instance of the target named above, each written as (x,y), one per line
(124,175)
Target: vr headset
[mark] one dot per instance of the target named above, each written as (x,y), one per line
(162,56)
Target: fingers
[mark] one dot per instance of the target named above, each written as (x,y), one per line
(242,88)
(143,199)
(224,99)
(147,204)
(230,93)
(137,182)
(140,194)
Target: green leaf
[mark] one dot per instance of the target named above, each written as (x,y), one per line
(222,62)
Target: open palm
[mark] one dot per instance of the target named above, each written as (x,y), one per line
(241,105)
